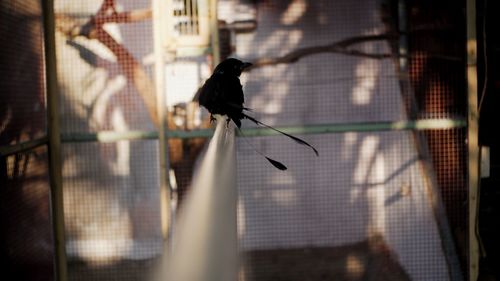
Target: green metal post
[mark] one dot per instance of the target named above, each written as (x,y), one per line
(214,32)
(54,141)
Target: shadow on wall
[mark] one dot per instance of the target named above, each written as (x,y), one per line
(111,189)
(363,184)
(315,90)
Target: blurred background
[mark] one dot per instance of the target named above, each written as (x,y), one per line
(379,87)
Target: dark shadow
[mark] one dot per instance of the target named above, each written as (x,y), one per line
(26,247)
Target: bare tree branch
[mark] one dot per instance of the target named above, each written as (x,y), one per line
(72,28)
(340,47)
(336,47)
(133,70)
(125,17)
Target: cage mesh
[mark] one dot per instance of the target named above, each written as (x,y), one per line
(103,74)
(22,109)
(111,213)
(27,246)
(340,88)
(359,211)
(111,190)
(26,250)
(436,77)
(364,187)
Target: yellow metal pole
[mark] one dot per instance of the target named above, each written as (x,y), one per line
(160,13)
(214,32)
(54,141)
(472,139)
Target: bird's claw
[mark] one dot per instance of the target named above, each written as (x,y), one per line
(212,118)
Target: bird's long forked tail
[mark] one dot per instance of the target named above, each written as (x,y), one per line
(296,139)
(275,163)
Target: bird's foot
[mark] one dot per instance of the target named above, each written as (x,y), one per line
(212,118)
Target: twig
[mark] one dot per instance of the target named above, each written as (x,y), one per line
(336,47)
(133,70)
(340,47)
(70,27)
(124,17)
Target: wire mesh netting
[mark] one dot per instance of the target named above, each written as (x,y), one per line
(376,204)
(100,72)
(22,109)
(26,233)
(366,190)
(27,245)
(111,190)
(108,217)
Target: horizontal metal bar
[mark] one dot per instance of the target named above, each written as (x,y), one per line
(426,124)
(108,136)
(112,136)
(22,146)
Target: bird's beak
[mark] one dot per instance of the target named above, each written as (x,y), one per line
(245,65)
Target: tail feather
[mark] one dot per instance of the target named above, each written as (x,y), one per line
(296,139)
(273,162)
(276,164)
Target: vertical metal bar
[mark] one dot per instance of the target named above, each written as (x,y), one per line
(403,36)
(54,141)
(472,139)
(169,21)
(214,32)
(406,90)
(196,21)
(159,28)
(183,17)
(189,16)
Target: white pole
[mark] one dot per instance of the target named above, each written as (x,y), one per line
(205,237)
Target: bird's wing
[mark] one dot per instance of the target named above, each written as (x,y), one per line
(231,90)
(207,93)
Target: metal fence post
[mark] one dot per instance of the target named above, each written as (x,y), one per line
(472,139)
(159,8)
(54,141)
(214,32)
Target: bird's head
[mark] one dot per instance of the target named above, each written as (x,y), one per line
(231,66)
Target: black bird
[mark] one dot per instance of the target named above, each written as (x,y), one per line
(222,94)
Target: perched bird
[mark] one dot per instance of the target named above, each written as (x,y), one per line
(222,94)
